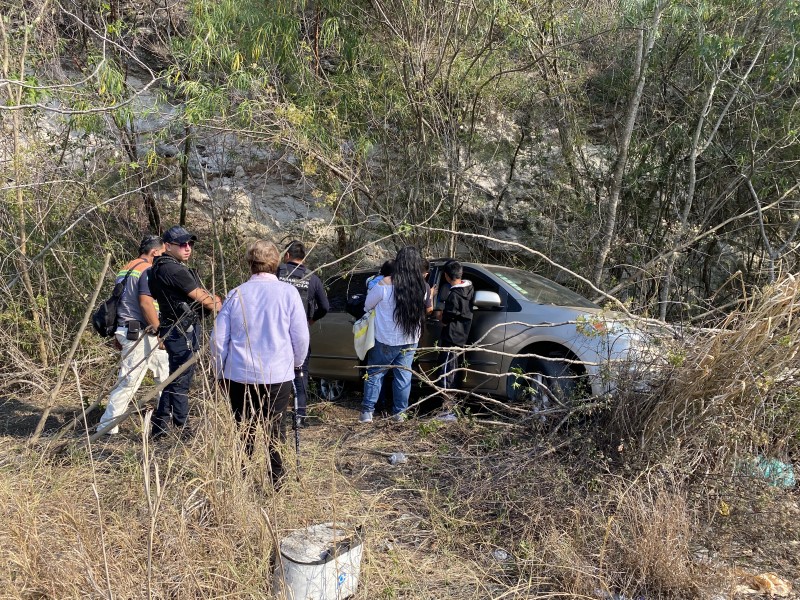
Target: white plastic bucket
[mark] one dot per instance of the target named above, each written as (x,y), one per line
(321,562)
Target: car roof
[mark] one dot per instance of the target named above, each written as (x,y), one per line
(486,268)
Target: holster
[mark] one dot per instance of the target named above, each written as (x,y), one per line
(185,325)
(135,330)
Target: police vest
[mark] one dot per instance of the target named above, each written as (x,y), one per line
(295,276)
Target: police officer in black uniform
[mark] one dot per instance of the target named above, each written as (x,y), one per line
(312,291)
(182,301)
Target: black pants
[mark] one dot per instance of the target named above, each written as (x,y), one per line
(265,403)
(449,361)
(180,344)
(301,387)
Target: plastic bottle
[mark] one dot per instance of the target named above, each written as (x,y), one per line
(397,458)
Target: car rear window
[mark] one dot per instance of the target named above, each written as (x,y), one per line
(342,287)
(539,289)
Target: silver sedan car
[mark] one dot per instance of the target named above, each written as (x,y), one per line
(531,338)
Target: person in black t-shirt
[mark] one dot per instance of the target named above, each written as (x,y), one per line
(312,292)
(182,301)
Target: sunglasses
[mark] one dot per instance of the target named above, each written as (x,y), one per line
(182,245)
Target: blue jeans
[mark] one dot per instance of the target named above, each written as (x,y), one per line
(379,359)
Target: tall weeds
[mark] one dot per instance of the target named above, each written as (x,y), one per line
(734,391)
(480,510)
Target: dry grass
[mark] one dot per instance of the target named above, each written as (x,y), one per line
(479,512)
(735,391)
(432,524)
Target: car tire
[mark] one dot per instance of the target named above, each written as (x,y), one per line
(530,376)
(331,390)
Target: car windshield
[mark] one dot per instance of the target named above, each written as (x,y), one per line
(539,289)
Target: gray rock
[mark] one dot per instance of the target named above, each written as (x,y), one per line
(167,150)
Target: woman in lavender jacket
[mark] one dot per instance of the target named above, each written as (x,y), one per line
(260,337)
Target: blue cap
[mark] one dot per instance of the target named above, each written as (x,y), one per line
(178,235)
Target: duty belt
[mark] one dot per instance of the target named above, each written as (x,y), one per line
(185,325)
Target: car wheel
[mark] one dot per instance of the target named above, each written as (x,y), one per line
(331,389)
(543,384)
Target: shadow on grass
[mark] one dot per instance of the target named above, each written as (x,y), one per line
(18,419)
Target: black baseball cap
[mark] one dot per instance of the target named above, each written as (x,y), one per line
(178,235)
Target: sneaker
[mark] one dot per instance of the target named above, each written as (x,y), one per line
(365,417)
(399,417)
(447,417)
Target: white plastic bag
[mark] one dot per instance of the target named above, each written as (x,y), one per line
(364,334)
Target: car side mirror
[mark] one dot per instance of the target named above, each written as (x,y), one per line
(487,299)
(355,305)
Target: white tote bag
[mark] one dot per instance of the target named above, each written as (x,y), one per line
(364,334)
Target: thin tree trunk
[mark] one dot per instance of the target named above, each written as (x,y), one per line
(127,133)
(556,93)
(22,257)
(640,76)
(501,195)
(187,147)
(51,401)
(15,99)
(695,151)
(454,199)
(153,216)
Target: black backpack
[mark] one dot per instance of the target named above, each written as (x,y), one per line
(104,319)
(295,277)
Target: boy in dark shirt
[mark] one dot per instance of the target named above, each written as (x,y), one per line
(457,320)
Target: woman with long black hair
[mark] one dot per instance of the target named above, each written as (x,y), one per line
(399,303)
